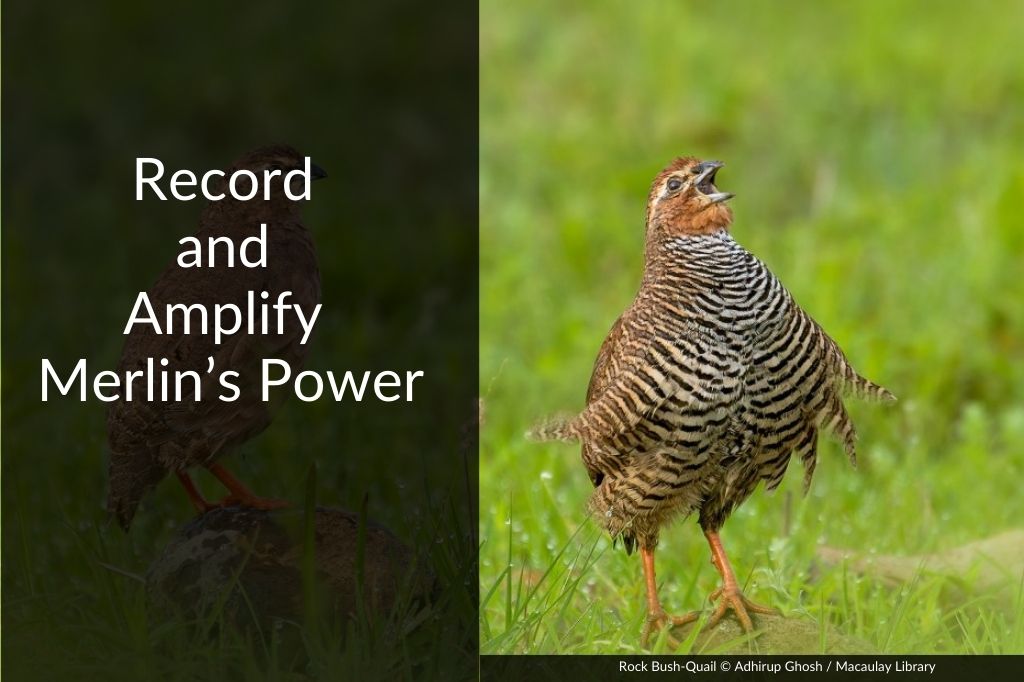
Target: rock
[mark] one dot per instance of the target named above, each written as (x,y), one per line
(775,635)
(990,566)
(249,564)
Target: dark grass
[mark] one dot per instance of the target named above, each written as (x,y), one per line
(199,89)
(100,622)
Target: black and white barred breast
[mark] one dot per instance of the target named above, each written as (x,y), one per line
(706,385)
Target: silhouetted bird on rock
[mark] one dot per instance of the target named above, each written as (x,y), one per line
(149,440)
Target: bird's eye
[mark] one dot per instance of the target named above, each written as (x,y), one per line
(674,184)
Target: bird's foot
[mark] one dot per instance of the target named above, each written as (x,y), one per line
(261,503)
(731,597)
(658,621)
(251,502)
(240,496)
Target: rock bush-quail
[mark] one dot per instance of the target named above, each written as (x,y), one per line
(148,440)
(706,385)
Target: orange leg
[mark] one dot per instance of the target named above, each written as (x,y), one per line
(656,616)
(194,496)
(241,496)
(729,595)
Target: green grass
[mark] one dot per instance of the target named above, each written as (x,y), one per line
(874,151)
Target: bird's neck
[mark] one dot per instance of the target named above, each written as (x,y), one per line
(663,228)
(230,215)
(665,250)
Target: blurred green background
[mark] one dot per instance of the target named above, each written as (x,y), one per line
(875,152)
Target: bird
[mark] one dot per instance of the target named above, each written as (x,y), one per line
(707,385)
(148,440)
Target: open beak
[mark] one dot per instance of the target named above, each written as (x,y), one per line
(705,182)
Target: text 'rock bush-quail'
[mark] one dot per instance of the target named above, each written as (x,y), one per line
(705,386)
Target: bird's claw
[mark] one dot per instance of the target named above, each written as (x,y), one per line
(732,598)
(658,621)
(260,503)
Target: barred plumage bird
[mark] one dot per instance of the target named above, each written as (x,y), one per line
(706,386)
(149,440)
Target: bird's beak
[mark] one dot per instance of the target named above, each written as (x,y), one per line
(316,171)
(707,168)
(705,182)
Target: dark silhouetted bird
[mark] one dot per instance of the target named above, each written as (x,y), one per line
(148,440)
(705,386)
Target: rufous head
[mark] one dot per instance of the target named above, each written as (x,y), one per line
(268,165)
(685,201)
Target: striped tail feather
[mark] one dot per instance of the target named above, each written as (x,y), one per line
(854,384)
(555,429)
(834,420)
(808,451)
(859,387)
(846,377)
